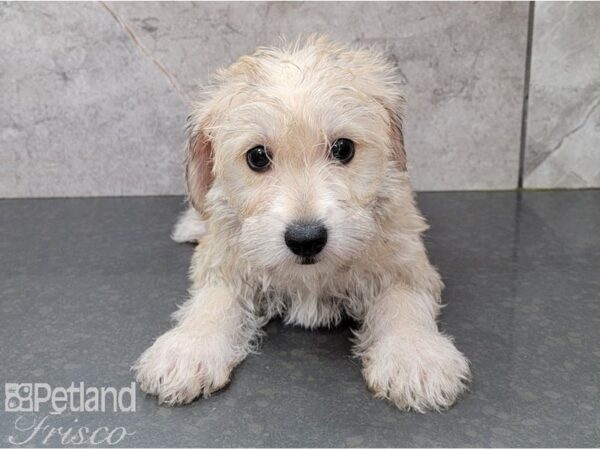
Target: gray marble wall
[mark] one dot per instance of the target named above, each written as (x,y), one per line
(94,95)
(563,126)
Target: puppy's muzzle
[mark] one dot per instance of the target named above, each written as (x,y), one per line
(306,239)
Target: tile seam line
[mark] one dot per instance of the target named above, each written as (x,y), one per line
(526,87)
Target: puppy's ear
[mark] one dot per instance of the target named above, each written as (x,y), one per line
(199,160)
(397,137)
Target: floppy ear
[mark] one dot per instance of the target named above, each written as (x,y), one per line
(199,161)
(397,137)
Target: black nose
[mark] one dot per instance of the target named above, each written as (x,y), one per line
(306,239)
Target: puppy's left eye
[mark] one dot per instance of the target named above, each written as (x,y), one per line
(342,150)
(258,158)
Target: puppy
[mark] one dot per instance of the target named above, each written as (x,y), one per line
(296,167)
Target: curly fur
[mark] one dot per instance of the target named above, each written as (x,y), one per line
(296,101)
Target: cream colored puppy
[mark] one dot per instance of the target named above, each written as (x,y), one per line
(296,162)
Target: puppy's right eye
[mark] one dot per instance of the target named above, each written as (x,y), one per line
(258,158)
(342,150)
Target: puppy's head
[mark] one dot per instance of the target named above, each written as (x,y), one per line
(294,146)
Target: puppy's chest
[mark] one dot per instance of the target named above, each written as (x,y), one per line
(309,308)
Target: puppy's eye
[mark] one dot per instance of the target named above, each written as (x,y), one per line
(342,150)
(258,158)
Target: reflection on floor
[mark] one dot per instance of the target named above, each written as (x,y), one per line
(87,284)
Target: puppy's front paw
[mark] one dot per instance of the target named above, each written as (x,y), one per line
(180,366)
(425,371)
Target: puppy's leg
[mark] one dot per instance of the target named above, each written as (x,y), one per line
(213,334)
(189,227)
(405,357)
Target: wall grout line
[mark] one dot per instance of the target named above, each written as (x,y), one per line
(526,85)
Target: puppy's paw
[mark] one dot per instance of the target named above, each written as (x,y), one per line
(180,366)
(423,372)
(189,227)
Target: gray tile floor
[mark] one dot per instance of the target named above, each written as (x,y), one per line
(87,284)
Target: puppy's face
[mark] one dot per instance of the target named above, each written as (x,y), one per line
(298,145)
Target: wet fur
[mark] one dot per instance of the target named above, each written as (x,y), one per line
(296,101)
